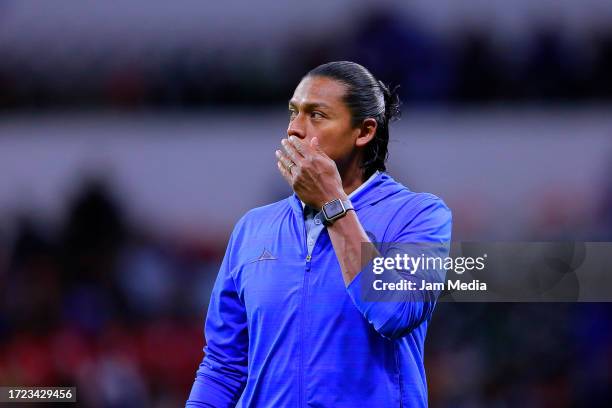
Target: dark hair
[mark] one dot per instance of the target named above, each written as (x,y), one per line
(366,97)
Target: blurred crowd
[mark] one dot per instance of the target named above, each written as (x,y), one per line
(471,66)
(520,354)
(102,305)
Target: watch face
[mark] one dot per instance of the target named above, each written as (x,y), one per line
(333,209)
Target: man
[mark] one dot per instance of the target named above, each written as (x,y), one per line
(287,323)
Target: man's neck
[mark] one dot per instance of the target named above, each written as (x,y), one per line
(352,178)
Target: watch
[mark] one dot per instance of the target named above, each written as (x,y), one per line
(335,209)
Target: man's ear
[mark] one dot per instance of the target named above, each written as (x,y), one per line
(367,131)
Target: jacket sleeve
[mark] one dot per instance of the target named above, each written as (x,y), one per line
(395,314)
(221,377)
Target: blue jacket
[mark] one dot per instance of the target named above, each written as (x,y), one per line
(284,331)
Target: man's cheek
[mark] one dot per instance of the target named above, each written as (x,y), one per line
(326,144)
(331,153)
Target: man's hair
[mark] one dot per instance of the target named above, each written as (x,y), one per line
(366,97)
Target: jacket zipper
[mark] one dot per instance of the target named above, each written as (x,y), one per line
(301,387)
(399,375)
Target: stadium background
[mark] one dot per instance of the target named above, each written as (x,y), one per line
(133,134)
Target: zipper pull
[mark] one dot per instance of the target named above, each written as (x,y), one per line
(308,258)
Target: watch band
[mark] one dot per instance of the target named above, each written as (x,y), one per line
(348,205)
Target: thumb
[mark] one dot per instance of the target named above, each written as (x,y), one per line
(315,144)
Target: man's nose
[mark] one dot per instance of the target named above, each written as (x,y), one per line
(296,128)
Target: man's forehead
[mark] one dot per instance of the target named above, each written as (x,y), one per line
(319,91)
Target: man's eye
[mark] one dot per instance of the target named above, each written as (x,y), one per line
(292,114)
(316,115)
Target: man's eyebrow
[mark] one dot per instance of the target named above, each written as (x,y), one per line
(309,105)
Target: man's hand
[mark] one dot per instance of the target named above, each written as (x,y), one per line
(310,172)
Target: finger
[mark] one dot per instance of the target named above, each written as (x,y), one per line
(283,171)
(291,151)
(299,146)
(314,143)
(284,159)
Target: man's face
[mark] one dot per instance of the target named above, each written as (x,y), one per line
(317,110)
